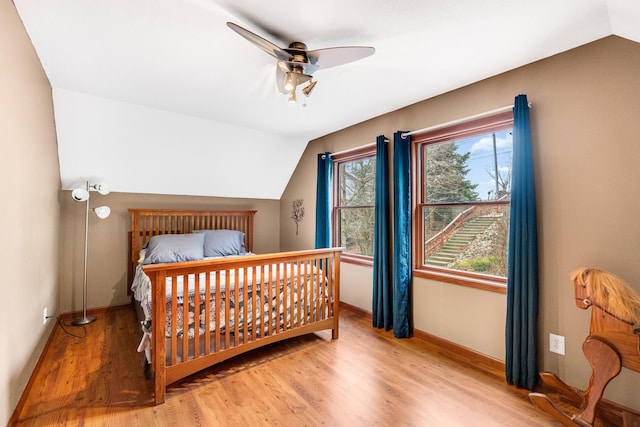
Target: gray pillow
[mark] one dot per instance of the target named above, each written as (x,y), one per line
(222,242)
(174,248)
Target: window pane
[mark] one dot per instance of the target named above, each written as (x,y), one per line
(356,230)
(468,170)
(357,182)
(467,238)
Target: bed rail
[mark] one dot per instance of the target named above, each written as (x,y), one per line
(277,296)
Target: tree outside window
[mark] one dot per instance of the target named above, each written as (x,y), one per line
(354,199)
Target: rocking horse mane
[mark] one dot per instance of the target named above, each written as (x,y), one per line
(610,292)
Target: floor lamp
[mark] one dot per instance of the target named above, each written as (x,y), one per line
(102,212)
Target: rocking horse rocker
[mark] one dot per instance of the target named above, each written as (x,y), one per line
(611,344)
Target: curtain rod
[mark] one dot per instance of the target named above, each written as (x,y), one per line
(457,121)
(371,144)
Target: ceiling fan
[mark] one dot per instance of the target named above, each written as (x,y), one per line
(296,64)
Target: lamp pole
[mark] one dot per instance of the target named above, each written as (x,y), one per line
(85,319)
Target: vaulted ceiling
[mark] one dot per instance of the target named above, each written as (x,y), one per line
(160,96)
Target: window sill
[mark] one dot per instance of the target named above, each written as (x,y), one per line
(366,261)
(498,285)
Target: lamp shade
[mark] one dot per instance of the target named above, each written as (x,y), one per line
(289,82)
(102,212)
(80,195)
(102,188)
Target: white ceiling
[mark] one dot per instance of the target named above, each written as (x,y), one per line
(160,96)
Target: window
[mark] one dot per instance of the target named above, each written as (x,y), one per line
(354,182)
(463,176)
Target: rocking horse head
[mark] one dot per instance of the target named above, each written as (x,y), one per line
(606,292)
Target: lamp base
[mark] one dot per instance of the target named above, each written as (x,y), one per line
(83,320)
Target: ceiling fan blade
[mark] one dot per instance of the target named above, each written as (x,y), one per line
(334,56)
(262,43)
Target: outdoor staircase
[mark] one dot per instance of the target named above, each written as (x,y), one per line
(459,240)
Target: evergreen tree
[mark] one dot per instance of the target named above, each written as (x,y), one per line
(446,172)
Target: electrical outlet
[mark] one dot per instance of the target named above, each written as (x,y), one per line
(556,344)
(44,316)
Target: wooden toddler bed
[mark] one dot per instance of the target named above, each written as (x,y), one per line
(220,302)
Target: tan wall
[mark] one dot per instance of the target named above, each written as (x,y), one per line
(29,185)
(107,262)
(586,137)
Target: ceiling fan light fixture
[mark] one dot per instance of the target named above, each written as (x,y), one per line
(290,82)
(292,96)
(308,89)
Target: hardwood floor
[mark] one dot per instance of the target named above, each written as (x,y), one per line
(365,378)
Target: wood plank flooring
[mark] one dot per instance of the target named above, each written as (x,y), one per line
(365,378)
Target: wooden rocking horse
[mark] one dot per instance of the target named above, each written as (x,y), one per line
(611,344)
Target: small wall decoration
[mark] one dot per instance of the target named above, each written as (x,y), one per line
(297,212)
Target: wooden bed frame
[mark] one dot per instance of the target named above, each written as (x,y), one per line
(311,267)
